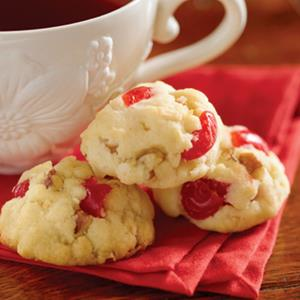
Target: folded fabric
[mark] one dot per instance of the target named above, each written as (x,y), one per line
(264,99)
(185,258)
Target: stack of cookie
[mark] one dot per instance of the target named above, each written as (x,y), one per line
(172,141)
(221,178)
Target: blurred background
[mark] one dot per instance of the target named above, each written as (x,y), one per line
(272,34)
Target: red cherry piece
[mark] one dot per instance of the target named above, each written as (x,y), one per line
(137,94)
(203,139)
(203,198)
(20,189)
(93,203)
(246,137)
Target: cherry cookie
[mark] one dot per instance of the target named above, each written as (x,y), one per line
(154,135)
(62,215)
(246,187)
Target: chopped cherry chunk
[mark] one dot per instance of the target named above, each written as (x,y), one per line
(93,203)
(204,138)
(137,94)
(203,197)
(246,137)
(20,189)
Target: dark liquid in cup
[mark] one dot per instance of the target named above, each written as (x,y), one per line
(32,14)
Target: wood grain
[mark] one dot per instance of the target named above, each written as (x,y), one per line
(271,37)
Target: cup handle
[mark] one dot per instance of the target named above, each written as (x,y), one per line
(166,29)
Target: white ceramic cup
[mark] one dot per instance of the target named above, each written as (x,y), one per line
(53,80)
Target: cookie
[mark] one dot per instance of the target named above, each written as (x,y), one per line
(154,135)
(246,187)
(62,215)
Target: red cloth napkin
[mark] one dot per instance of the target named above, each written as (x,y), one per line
(183,257)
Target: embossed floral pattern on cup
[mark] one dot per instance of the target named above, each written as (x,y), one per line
(35,120)
(43,110)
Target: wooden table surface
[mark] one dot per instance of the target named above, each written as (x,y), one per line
(271,37)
